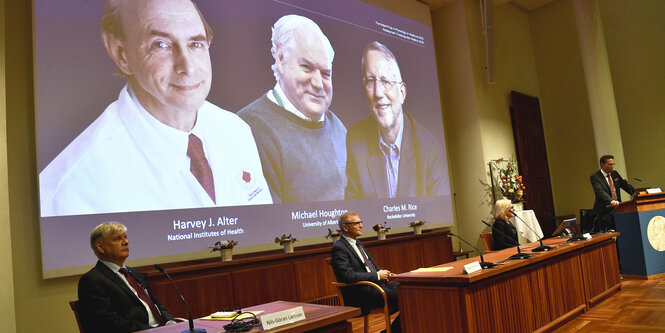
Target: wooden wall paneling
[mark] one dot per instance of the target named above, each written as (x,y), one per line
(264,284)
(483,304)
(604,257)
(404,258)
(198,293)
(525,316)
(539,279)
(380,253)
(210,285)
(313,278)
(610,265)
(440,252)
(422,300)
(591,264)
(600,276)
(519,317)
(565,289)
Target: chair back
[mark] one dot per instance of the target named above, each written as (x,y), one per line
(384,310)
(488,239)
(75,307)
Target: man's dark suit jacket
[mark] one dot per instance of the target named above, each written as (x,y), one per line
(106,304)
(349,267)
(421,171)
(605,216)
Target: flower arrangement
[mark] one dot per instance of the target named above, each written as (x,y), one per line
(510,182)
(222,245)
(416,223)
(379,227)
(417,227)
(285,239)
(332,234)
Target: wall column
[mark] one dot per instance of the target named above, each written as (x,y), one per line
(604,117)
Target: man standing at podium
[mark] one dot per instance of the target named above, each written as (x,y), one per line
(352,263)
(606,185)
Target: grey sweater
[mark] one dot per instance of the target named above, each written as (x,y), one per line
(302,160)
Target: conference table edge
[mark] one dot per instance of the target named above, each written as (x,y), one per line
(339,315)
(455,276)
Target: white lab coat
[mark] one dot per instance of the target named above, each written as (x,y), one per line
(127,160)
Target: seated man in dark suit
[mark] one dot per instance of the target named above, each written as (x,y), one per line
(113,297)
(352,263)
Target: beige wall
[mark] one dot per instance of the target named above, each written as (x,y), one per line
(537,53)
(564,106)
(635,39)
(32,294)
(476,113)
(459,100)
(7,309)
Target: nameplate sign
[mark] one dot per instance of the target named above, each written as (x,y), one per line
(281,318)
(654,190)
(472,267)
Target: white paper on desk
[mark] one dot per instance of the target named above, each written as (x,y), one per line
(230,315)
(431,269)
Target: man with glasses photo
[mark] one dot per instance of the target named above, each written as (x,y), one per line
(352,263)
(389,154)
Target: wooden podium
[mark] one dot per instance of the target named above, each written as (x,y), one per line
(641,223)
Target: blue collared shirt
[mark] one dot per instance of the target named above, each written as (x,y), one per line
(391,153)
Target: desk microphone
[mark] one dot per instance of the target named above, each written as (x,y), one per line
(189,313)
(484,264)
(519,254)
(541,247)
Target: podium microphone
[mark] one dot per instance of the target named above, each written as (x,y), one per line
(646,182)
(189,313)
(541,247)
(484,264)
(519,254)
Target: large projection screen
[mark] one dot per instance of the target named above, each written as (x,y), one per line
(76,81)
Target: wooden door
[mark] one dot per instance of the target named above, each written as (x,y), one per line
(532,158)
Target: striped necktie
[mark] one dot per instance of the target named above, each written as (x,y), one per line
(142,295)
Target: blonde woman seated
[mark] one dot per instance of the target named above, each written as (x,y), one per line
(502,228)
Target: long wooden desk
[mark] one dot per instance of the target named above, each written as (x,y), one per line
(526,295)
(319,318)
(304,276)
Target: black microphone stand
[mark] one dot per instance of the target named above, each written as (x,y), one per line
(189,313)
(542,247)
(646,182)
(484,264)
(519,254)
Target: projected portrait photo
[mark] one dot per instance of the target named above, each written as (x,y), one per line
(160,145)
(301,141)
(390,154)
